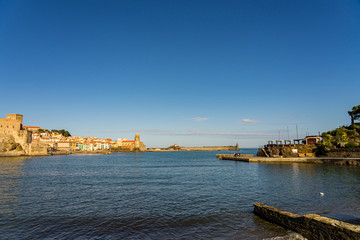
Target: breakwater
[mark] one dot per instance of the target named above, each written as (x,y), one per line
(211,148)
(317,160)
(311,226)
(204,148)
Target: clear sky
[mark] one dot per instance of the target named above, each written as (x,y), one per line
(193,72)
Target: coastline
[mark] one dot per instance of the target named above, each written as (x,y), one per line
(22,154)
(137,150)
(99,152)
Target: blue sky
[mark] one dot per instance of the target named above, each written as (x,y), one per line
(188,72)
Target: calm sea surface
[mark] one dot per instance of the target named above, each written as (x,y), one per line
(169,195)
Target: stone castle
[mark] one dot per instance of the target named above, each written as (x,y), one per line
(15,140)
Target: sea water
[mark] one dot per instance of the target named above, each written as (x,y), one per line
(164,195)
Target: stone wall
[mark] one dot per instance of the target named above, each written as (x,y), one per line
(5,138)
(19,143)
(14,153)
(344,152)
(23,137)
(9,147)
(311,226)
(142,147)
(37,149)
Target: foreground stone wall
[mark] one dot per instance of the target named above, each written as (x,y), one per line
(311,226)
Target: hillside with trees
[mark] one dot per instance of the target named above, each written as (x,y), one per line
(342,137)
(64,132)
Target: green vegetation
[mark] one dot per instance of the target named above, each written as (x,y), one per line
(342,137)
(62,131)
(43,130)
(325,145)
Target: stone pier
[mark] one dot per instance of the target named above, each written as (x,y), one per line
(311,226)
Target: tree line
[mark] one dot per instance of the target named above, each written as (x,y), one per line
(64,132)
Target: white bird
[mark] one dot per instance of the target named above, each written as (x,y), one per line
(322,194)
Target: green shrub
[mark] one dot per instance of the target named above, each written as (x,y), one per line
(351,145)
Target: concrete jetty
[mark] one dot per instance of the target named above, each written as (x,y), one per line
(319,160)
(311,226)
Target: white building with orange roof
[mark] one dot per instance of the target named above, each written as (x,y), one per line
(63,145)
(88,146)
(36,136)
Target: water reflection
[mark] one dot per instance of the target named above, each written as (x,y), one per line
(10,178)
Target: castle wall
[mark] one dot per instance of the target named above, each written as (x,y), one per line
(37,149)
(15,116)
(23,137)
(8,126)
(9,147)
(11,132)
(5,138)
